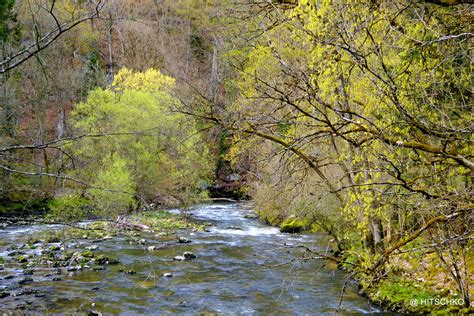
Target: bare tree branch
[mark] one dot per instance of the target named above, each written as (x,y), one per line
(18,58)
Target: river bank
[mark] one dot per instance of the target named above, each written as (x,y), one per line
(241,266)
(405,287)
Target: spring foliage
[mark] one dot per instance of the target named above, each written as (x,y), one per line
(137,147)
(369,103)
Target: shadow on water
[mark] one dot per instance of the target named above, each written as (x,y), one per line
(242,267)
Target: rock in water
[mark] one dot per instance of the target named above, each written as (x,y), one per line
(25,280)
(233,227)
(186,256)
(183,240)
(74,268)
(102,260)
(189,255)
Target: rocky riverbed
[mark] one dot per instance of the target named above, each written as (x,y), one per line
(223,261)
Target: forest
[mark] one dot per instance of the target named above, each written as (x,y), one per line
(347,125)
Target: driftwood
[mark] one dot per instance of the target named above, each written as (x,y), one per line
(122,222)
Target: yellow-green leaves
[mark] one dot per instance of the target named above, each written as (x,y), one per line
(137,146)
(377,98)
(150,81)
(113,189)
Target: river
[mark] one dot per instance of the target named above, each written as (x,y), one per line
(242,267)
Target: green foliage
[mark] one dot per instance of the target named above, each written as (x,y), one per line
(362,116)
(22,208)
(396,294)
(69,208)
(140,147)
(293,225)
(113,189)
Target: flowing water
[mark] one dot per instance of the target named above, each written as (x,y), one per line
(242,267)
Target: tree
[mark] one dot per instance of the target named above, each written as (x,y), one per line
(137,147)
(74,16)
(374,99)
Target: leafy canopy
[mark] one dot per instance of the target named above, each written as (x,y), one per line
(137,147)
